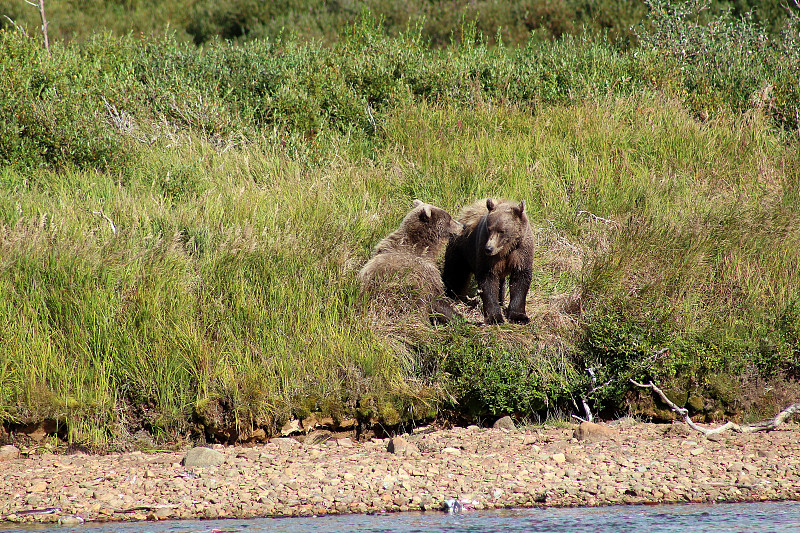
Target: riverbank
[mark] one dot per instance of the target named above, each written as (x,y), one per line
(631,463)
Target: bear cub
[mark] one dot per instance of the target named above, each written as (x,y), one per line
(497,242)
(403,264)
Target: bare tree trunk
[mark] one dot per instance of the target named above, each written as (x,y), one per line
(40,5)
(44,27)
(765,425)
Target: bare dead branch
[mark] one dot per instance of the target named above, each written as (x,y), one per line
(596,218)
(371,118)
(589,417)
(123,122)
(40,5)
(19,28)
(764,425)
(575,404)
(110,222)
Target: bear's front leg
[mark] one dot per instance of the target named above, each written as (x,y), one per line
(490,290)
(518,288)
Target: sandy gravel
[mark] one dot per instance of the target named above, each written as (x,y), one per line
(483,468)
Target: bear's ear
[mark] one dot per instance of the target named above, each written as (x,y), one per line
(418,203)
(490,205)
(521,209)
(426,213)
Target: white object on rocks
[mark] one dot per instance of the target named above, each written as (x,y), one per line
(70,520)
(292,426)
(452,506)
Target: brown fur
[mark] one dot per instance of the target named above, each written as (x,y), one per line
(497,242)
(403,264)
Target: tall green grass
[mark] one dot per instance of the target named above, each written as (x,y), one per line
(243,294)
(180,229)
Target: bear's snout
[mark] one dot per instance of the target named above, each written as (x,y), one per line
(493,246)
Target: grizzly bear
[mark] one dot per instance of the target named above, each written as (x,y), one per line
(403,265)
(497,242)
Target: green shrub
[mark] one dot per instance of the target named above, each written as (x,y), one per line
(727,62)
(53,112)
(621,344)
(487,373)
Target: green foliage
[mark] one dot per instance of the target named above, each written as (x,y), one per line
(53,114)
(178,183)
(776,350)
(89,105)
(181,227)
(620,345)
(488,375)
(727,62)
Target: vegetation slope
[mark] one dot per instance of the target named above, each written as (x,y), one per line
(181,226)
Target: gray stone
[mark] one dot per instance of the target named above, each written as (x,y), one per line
(9,452)
(400,446)
(284,443)
(676,429)
(505,423)
(429,445)
(201,456)
(39,486)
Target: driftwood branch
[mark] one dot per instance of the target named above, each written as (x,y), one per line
(764,425)
(596,218)
(110,222)
(586,409)
(584,401)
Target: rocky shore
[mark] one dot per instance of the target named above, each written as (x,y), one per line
(623,463)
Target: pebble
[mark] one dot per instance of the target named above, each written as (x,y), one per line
(491,468)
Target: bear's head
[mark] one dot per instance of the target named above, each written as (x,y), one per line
(506,225)
(427,227)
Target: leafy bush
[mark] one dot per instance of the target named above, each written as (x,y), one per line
(53,114)
(621,344)
(728,62)
(488,374)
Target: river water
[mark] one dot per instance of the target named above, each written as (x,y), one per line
(773,517)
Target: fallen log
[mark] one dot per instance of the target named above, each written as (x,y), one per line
(764,425)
